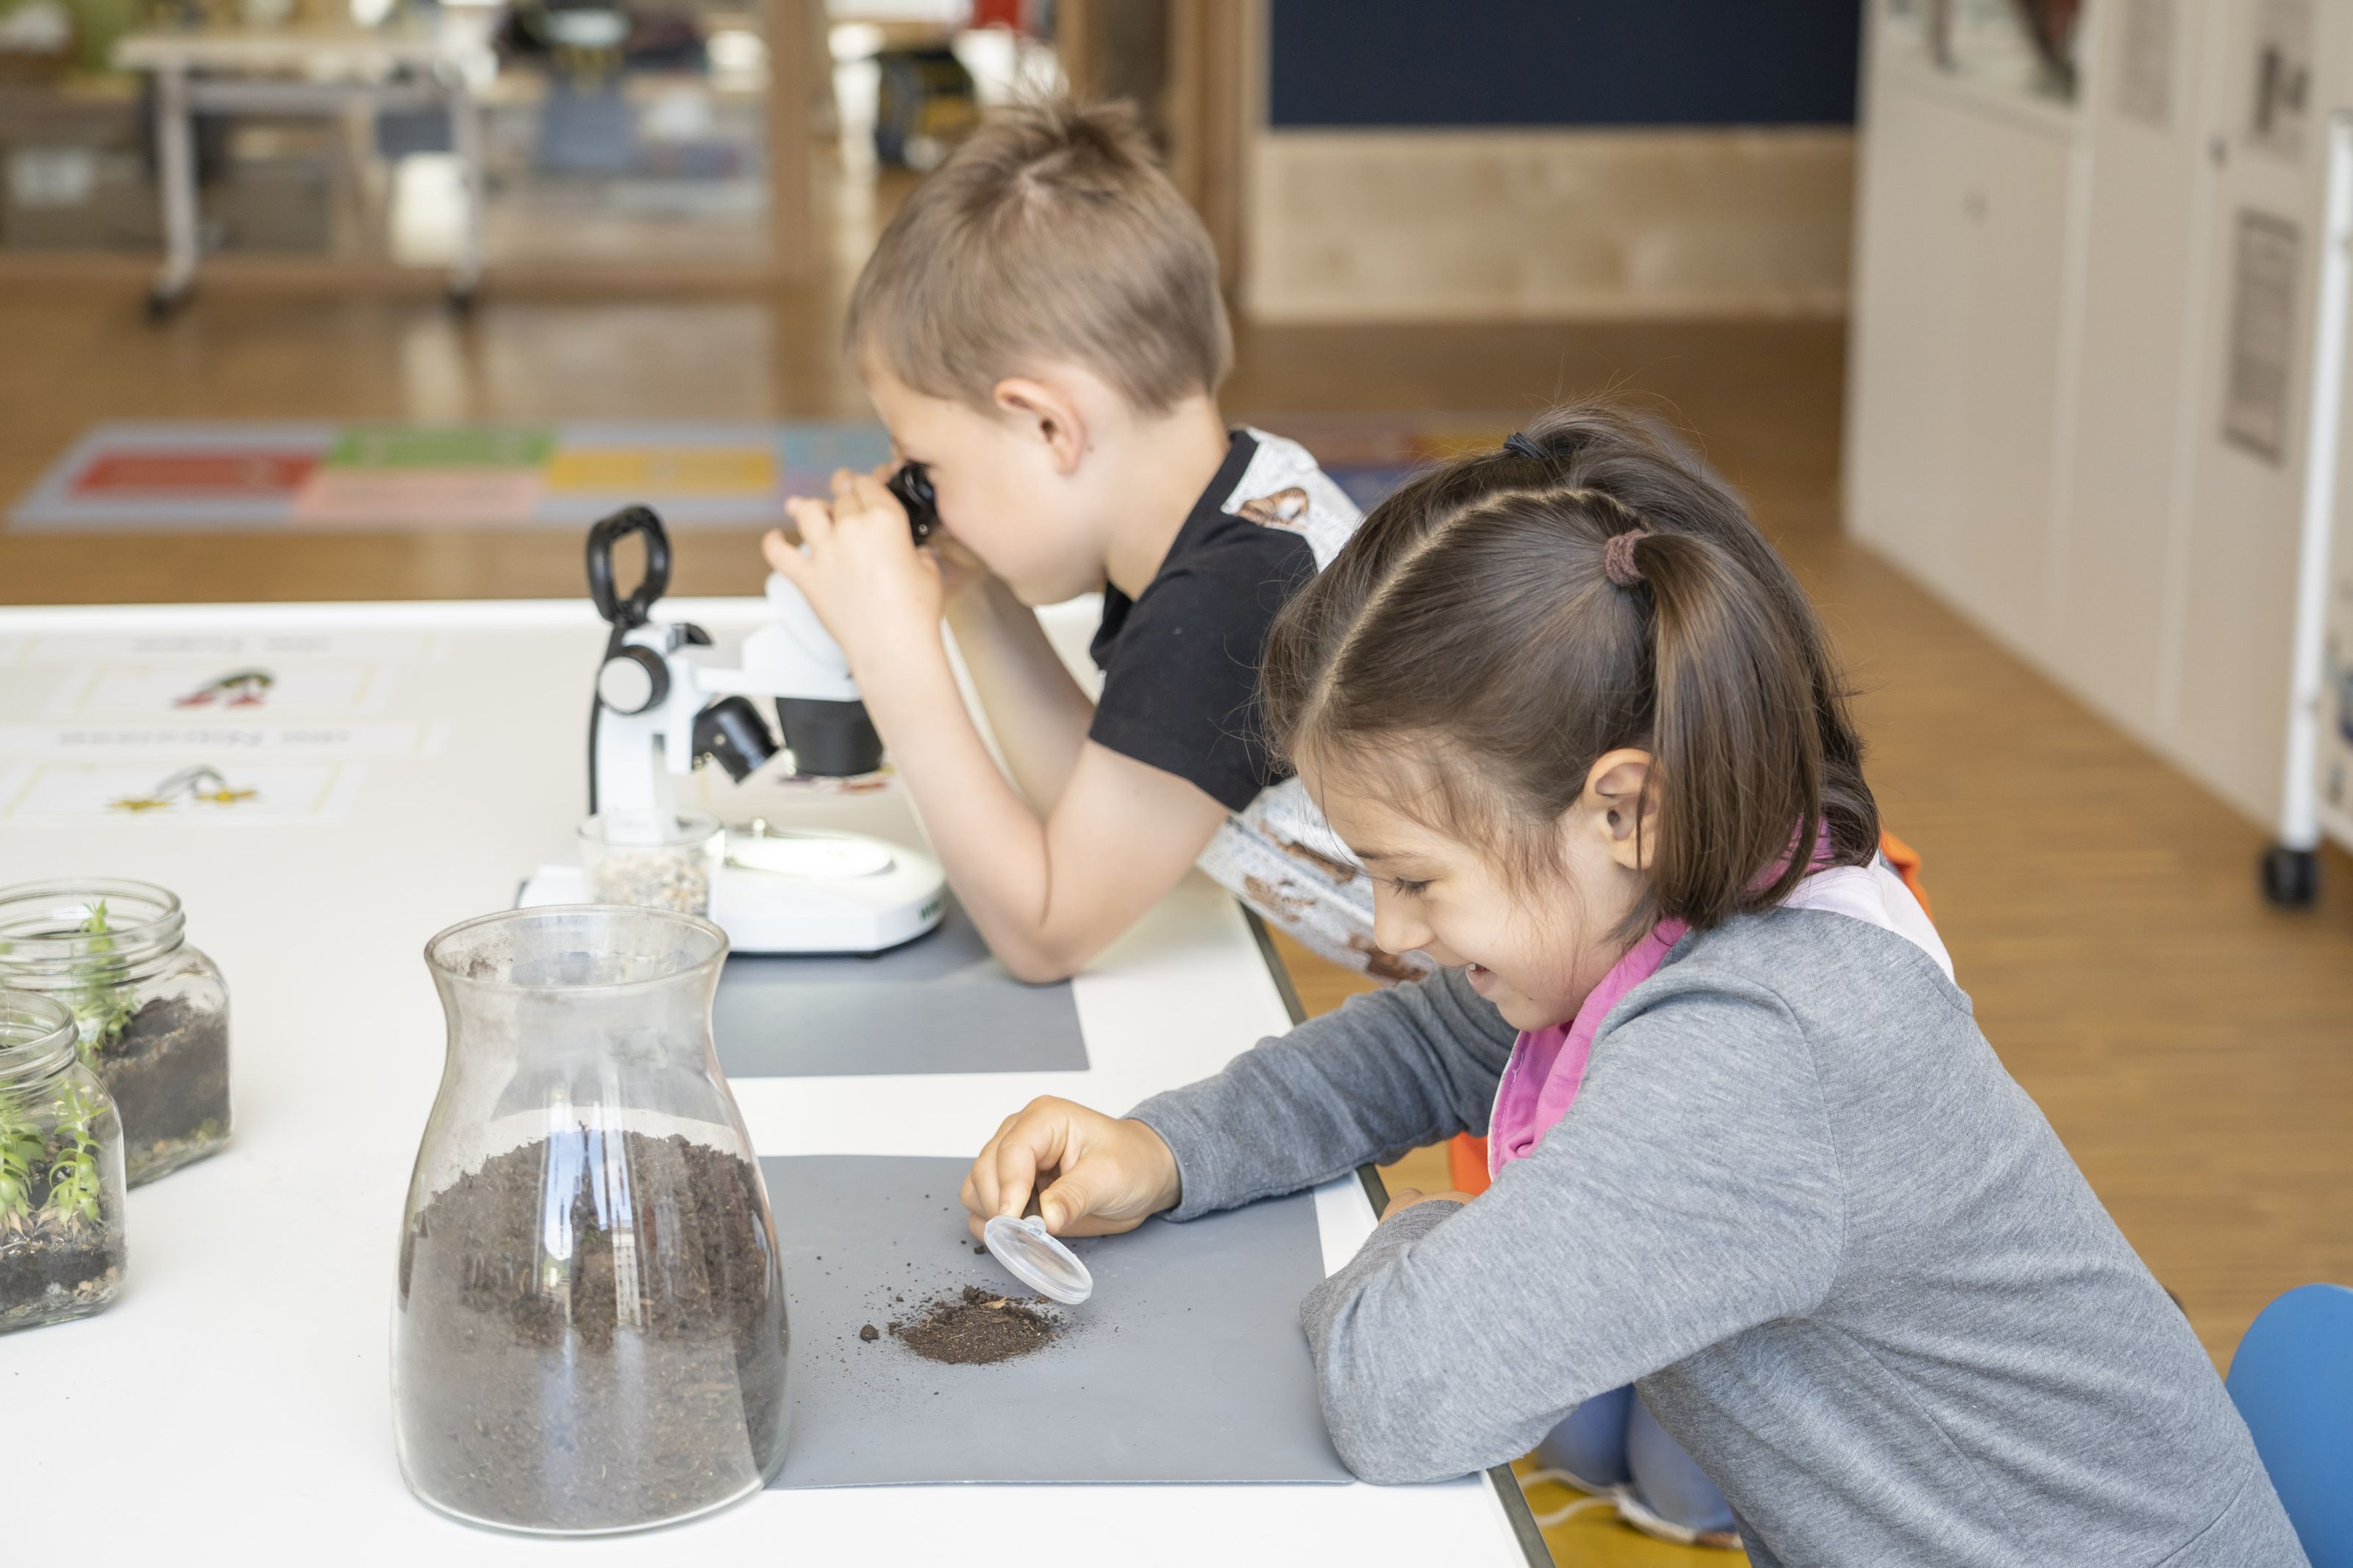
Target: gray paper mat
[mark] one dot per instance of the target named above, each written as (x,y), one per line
(1188,1364)
(940,1003)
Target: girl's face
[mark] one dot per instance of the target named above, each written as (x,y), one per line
(1534,943)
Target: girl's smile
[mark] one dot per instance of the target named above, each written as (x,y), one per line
(1543,935)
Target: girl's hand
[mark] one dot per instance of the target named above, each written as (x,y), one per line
(860,569)
(1116,1174)
(1405,1198)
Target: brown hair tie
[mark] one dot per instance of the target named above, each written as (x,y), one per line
(1618,562)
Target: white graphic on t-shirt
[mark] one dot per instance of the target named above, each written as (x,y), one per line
(1277,854)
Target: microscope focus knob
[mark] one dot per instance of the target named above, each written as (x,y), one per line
(633,680)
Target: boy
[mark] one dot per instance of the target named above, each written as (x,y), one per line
(1040,328)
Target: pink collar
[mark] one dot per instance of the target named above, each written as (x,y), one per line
(1547,1066)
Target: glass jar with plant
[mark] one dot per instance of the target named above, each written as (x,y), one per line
(60,1170)
(152,1011)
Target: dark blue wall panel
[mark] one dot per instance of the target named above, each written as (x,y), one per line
(1568,62)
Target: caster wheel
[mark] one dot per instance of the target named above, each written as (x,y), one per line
(163,304)
(460,296)
(2290,877)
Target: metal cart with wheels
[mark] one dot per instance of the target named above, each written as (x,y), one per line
(2316,790)
(331,72)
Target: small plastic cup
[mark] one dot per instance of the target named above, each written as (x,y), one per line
(653,860)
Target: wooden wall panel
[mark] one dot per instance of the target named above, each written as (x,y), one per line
(1213,108)
(1456,225)
(798,66)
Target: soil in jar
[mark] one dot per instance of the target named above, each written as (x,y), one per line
(168,1072)
(639,1378)
(973,1327)
(49,1274)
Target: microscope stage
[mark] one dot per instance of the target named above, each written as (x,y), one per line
(801,892)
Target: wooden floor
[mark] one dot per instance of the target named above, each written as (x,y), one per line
(2192,1047)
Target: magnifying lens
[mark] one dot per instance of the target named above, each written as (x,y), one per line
(1038,1259)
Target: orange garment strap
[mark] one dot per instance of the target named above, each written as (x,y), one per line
(1466,1163)
(1906,861)
(1466,1157)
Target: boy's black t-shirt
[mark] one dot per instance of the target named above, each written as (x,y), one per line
(1180,661)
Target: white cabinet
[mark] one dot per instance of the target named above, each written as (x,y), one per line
(2080,369)
(1954,353)
(2237,565)
(2124,500)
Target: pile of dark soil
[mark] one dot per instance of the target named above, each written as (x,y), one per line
(168,1073)
(50,1275)
(974,1327)
(591,1342)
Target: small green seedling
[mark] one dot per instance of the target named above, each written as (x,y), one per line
(67,1162)
(22,1150)
(102,1002)
(74,1186)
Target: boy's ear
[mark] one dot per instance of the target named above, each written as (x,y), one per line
(1046,413)
(1620,806)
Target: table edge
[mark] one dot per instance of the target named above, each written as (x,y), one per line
(1516,1513)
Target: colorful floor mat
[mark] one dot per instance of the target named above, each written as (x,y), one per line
(251,475)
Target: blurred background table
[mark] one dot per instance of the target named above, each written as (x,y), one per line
(348,73)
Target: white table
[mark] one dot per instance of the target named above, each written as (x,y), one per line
(330,71)
(235,1400)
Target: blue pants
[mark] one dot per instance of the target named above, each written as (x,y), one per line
(1612,1440)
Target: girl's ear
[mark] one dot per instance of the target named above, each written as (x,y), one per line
(1046,413)
(1622,808)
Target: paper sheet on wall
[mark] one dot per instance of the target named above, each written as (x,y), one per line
(2263,334)
(2282,66)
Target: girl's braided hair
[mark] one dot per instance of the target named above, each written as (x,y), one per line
(1504,620)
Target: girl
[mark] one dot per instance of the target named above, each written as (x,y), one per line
(1752,1155)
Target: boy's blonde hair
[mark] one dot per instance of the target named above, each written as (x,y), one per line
(1049,235)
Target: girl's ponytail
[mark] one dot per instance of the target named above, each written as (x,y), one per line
(1738,764)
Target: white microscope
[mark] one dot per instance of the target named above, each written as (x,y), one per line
(666,700)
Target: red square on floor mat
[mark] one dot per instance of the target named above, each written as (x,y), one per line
(197,472)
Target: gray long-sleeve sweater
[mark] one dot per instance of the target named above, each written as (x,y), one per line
(1802,1207)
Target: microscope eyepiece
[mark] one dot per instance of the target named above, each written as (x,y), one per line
(913,485)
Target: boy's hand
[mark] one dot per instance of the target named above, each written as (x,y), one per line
(1405,1198)
(1116,1174)
(860,569)
(959,567)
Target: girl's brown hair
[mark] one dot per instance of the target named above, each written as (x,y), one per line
(1483,626)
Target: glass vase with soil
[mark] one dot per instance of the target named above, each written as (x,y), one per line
(152,1011)
(588,1326)
(60,1170)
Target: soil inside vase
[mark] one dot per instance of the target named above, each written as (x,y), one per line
(51,1273)
(588,1341)
(168,1072)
